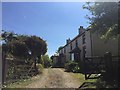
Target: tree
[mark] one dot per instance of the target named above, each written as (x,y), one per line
(14,44)
(47,61)
(24,46)
(103,18)
(36,47)
(59,48)
(8,36)
(18,49)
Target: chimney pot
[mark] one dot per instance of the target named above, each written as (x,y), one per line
(80,29)
(67,41)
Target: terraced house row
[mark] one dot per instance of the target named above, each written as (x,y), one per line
(86,44)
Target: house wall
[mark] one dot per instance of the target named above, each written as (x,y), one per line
(74,44)
(68,48)
(80,45)
(67,52)
(88,43)
(95,46)
(55,60)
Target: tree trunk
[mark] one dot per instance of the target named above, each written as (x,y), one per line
(35,63)
(36,70)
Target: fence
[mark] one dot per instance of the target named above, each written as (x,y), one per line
(107,65)
(16,69)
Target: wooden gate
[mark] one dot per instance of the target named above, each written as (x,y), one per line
(93,65)
(17,69)
(96,65)
(106,67)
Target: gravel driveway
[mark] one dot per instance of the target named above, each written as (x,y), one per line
(55,78)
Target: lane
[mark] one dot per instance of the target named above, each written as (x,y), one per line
(39,81)
(70,81)
(55,78)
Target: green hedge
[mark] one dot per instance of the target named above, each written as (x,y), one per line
(72,66)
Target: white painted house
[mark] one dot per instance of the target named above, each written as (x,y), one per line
(87,43)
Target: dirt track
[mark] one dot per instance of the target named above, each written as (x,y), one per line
(55,78)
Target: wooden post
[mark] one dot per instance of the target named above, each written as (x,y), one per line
(84,68)
(3,67)
(0,68)
(108,63)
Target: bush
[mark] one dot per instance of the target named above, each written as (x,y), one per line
(70,66)
(76,69)
(40,68)
(47,61)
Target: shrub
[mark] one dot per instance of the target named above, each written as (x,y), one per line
(47,61)
(70,66)
(76,69)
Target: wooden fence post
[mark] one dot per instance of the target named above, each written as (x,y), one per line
(0,68)
(84,67)
(3,67)
(108,63)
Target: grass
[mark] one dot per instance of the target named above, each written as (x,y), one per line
(98,83)
(22,83)
(81,77)
(19,84)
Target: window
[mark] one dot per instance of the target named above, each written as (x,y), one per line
(83,39)
(72,56)
(76,43)
(71,46)
(84,51)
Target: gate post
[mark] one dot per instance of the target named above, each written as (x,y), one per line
(84,68)
(0,67)
(108,63)
(3,67)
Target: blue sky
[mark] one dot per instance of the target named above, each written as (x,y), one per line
(52,21)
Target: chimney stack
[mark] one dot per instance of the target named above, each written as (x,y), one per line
(81,30)
(68,40)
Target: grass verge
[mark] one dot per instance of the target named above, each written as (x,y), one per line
(81,77)
(22,83)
